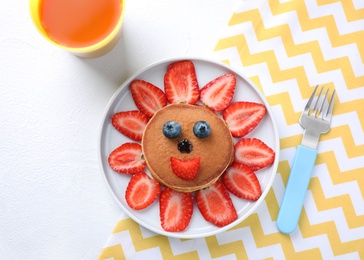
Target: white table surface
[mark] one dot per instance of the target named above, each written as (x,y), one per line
(54,203)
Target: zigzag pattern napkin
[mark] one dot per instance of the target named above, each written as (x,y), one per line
(286,48)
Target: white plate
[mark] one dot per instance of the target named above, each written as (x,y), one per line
(110,139)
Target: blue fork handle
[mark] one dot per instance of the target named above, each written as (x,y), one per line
(296,188)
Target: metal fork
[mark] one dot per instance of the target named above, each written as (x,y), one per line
(315,119)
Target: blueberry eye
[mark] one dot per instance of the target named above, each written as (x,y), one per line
(201,129)
(171,129)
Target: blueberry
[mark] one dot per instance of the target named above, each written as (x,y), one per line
(201,129)
(171,129)
(185,146)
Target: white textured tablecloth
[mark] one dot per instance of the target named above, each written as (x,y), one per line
(54,203)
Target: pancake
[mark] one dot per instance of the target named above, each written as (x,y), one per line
(216,151)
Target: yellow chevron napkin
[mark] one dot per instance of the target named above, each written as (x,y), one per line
(286,48)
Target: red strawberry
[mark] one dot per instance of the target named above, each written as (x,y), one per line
(127,158)
(176,209)
(240,180)
(185,169)
(243,117)
(180,83)
(254,153)
(215,205)
(142,191)
(147,97)
(130,123)
(218,93)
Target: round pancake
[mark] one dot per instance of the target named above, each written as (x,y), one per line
(216,151)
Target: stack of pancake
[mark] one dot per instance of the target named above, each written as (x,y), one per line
(216,151)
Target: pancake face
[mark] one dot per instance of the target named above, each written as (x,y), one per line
(216,151)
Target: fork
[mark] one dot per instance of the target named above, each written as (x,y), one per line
(315,119)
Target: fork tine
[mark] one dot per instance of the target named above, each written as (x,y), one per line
(331,106)
(309,102)
(321,112)
(315,109)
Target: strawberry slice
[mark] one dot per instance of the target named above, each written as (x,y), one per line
(147,97)
(127,158)
(130,123)
(142,191)
(215,205)
(185,169)
(243,117)
(241,181)
(218,93)
(180,83)
(176,209)
(254,153)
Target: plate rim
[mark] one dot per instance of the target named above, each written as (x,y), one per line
(125,83)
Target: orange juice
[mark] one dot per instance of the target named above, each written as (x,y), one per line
(79,23)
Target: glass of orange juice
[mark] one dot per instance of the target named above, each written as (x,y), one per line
(86,28)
